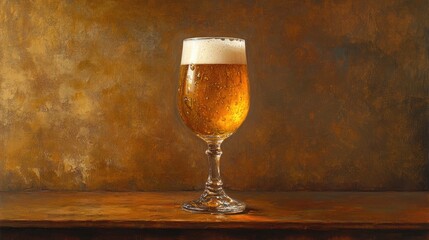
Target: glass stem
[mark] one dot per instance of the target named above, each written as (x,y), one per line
(214,181)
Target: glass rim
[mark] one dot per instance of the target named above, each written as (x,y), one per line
(205,38)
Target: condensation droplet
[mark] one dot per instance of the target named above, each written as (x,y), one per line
(192,67)
(198,75)
(188,102)
(207,98)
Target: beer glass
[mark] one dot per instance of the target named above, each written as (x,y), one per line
(213,101)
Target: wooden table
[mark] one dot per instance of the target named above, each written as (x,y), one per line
(277,215)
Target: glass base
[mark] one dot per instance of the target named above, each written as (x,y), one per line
(215,204)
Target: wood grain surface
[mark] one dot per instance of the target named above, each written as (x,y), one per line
(266,210)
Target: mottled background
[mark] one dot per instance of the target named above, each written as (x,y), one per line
(339,95)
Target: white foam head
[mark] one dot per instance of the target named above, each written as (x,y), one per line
(213,51)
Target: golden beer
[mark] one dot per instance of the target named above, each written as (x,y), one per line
(213,99)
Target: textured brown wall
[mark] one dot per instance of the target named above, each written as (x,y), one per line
(339,95)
